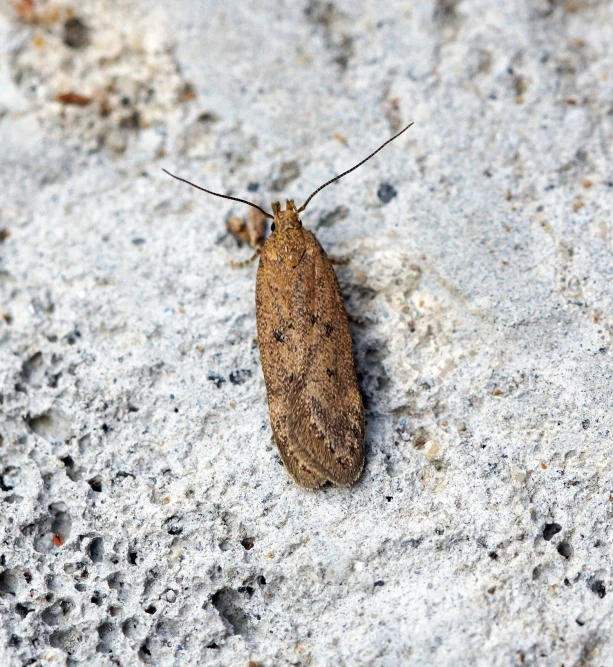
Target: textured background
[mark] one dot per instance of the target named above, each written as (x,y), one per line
(145,517)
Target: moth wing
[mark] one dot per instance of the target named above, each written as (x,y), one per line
(325,422)
(279,291)
(302,472)
(315,406)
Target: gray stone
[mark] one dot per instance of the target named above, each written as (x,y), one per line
(145,516)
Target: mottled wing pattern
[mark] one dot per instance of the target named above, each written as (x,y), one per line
(280,321)
(326,416)
(307,358)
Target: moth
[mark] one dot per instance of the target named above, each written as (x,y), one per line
(315,405)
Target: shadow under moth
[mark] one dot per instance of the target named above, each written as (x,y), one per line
(315,406)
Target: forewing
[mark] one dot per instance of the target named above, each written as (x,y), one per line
(281,322)
(326,416)
(315,406)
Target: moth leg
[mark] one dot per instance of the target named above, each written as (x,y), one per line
(247,261)
(338,260)
(356,319)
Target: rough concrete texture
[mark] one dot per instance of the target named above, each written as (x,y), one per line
(145,515)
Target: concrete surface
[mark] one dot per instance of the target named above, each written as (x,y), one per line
(145,518)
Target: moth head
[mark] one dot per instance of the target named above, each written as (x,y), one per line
(283,220)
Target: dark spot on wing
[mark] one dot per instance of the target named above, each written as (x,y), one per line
(328,328)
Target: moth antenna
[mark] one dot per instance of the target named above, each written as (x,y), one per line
(359,164)
(217,194)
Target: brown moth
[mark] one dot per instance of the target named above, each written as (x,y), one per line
(315,406)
